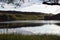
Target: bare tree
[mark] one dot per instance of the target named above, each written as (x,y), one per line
(10,1)
(56,1)
(22,1)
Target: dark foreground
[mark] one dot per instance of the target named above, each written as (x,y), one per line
(28,37)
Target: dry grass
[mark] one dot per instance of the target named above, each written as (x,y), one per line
(28,37)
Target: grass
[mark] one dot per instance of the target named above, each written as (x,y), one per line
(28,37)
(9,16)
(23,16)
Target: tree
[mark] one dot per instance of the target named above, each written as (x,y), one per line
(22,1)
(10,1)
(56,1)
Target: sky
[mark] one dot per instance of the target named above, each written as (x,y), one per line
(36,6)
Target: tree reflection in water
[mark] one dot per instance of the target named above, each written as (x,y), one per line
(57,24)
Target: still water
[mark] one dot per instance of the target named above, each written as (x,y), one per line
(44,29)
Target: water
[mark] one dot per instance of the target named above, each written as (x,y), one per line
(49,27)
(44,29)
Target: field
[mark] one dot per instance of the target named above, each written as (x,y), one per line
(28,37)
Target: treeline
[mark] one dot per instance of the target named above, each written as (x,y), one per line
(14,15)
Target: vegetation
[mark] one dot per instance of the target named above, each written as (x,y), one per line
(13,15)
(10,1)
(28,37)
(15,25)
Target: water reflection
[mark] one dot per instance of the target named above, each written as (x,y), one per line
(48,27)
(44,29)
(57,24)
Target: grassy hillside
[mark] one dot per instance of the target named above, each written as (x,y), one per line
(13,15)
(28,37)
